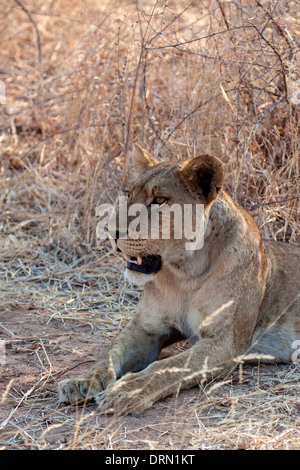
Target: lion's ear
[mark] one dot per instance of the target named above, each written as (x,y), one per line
(141,160)
(203,175)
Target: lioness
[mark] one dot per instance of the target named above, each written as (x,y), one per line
(235,296)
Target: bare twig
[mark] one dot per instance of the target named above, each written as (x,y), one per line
(207,36)
(223,14)
(278,56)
(37,34)
(272,202)
(278,27)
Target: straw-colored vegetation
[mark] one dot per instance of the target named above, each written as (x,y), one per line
(84,80)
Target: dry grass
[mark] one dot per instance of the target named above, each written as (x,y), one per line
(84,80)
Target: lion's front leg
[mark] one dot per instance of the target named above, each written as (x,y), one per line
(131,394)
(133,350)
(136,392)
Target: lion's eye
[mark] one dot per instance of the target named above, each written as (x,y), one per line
(159,200)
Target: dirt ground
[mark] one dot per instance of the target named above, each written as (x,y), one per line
(83,82)
(242,413)
(39,353)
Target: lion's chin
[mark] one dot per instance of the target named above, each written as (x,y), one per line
(138,278)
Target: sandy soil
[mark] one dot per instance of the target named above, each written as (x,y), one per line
(40,350)
(38,353)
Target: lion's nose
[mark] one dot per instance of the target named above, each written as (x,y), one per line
(116,235)
(119,234)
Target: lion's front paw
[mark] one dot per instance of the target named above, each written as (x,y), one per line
(71,391)
(125,396)
(86,387)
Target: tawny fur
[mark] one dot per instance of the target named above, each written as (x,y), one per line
(238,296)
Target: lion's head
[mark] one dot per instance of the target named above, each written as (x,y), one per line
(156,189)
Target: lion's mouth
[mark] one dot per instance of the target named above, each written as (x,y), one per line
(146,264)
